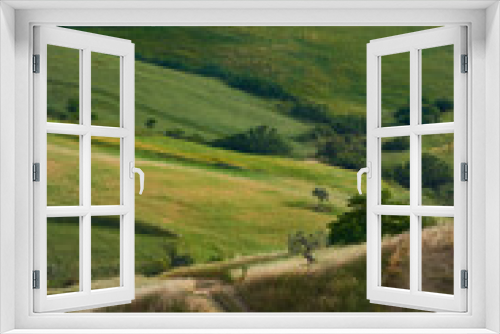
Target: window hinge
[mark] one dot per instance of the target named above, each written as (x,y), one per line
(36,172)
(465,63)
(36,279)
(36,63)
(464,171)
(465,279)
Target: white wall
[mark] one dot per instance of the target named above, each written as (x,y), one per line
(7,162)
(492,165)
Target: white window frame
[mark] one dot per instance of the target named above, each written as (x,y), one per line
(482,19)
(85,44)
(414,43)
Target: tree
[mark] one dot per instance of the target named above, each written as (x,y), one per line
(350,227)
(402,115)
(259,140)
(444,105)
(304,244)
(347,151)
(396,144)
(321,194)
(73,105)
(150,122)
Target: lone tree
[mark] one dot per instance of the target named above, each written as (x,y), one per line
(304,244)
(322,195)
(150,122)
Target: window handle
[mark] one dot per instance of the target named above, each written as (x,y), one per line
(368,171)
(141,175)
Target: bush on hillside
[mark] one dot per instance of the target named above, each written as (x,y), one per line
(150,122)
(319,133)
(350,227)
(397,144)
(436,172)
(344,151)
(259,140)
(431,112)
(444,105)
(349,124)
(181,134)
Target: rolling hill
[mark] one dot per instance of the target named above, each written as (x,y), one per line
(322,64)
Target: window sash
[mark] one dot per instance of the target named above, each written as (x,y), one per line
(413,43)
(87,43)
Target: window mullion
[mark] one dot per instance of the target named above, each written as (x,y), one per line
(85,167)
(414,169)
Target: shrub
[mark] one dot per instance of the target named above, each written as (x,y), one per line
(349,124)
(181,134)
(437,172)
(73,105)
(155,267)
(402,115)
(174,133)
(260,140)
(430,114)
(310,112)
(150,122)
(397,144)
(350,227)
(346,151)
(444,105)
(175,257)
(319,133)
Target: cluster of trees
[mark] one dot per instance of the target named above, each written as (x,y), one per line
(350,227)
(437,179)
(259,140)
(340,142)
(306,111)
(175,133)
(181,134)
(70,112)
(431,111)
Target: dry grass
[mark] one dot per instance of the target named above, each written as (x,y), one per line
(437,260)
(278,283)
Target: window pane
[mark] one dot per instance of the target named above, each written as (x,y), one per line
(63,255)
(63,84)
(437,169)
(105,257)
(105,171)
(437,90)
(395,166)
(63,170)
(395,95)
(105,89)
(437,254)
(395,251)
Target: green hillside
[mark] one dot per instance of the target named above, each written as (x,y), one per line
(325,65)
(195,85)
(176,100)
(214,204)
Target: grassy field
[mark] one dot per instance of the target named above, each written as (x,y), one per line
(322,64)
(176,100)
(248,206)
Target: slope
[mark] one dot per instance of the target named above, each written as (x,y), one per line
(175,100)
(325,65)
